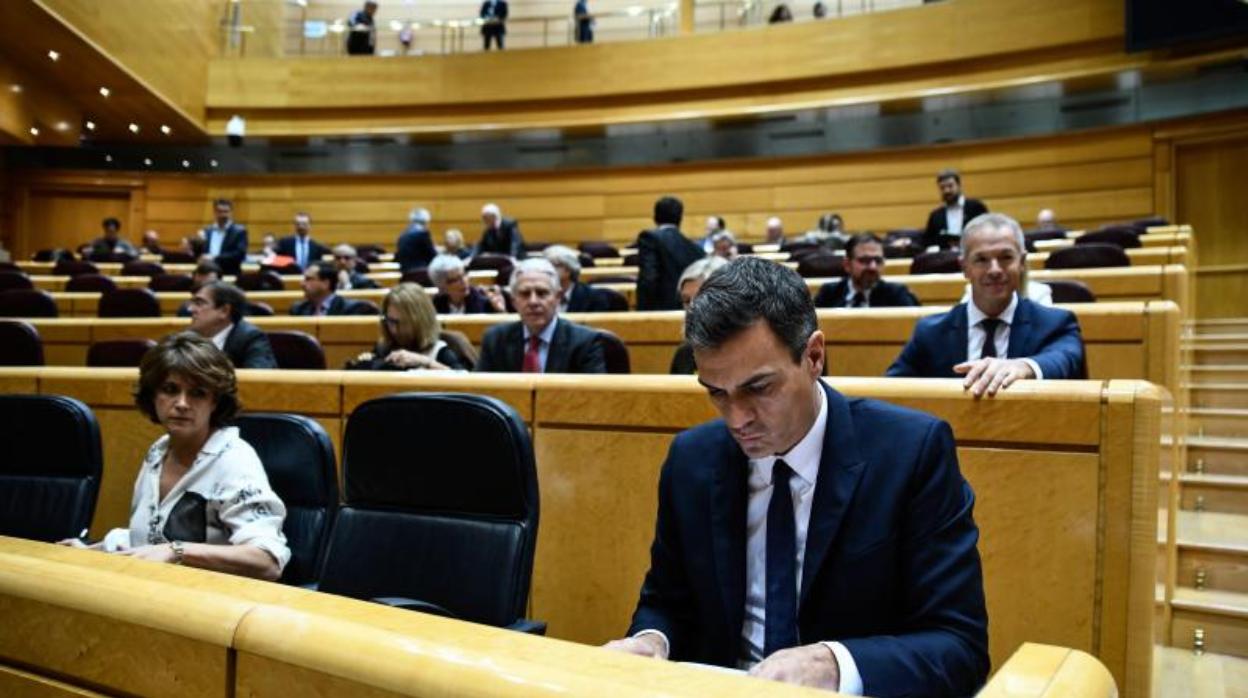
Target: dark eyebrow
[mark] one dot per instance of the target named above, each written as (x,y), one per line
(749,382)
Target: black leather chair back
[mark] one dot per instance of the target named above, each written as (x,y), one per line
(298,458)
(441,506)
(615,353)
(1071,291)
(419,275)
(10,280)
(72,267)
(1032,237)
(10,266)
(30,302)
(171,282)
(129,302)
(20,344)
(621,279)
(1150,222)
(118,353)
(259,281)
(362,306)
(138,268)
(821,264)
(1123,236)
(942,262)
(51,467)
(616,301)
(258,309)
(598,249)
(370,254)
(52,255)
(294,349)
(90,283)
(1092,254)
(502,263)
(177,258)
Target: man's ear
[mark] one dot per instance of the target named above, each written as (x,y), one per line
(817,353)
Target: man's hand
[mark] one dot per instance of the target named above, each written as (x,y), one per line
(991,375)
(155,553)
(495,295)
(644,645)
(808,665)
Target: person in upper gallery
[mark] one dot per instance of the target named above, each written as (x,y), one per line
(202,498)
(501,235)
(663,253)
(111,243)
(415,246)
(690,282)
(540,342)
(346,261)
(456,296)
(574,296)
(320,292)
(1047,220)
(724,244)
(714,226)
(151,243)
(780,14)
(494,22)
(775,231)
(454,244)
(862,287)
(362,31)
(584,22)
(997,338)
(945,222)
(225,241)
(217,314)
(205,272)
(300,246)
(807,537)
(820,10)
(410,336)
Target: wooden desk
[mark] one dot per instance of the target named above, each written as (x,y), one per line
(1143,256)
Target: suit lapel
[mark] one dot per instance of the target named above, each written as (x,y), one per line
(839,472)
(957,335)
(557,358)
(514,341)
(728,514)
(1020,330)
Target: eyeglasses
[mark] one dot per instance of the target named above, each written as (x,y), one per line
(389,321)
(868,260)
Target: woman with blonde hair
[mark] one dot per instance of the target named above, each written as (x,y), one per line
(410,335)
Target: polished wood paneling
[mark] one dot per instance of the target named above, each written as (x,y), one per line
(69,219)
(1209,180)
(1050,672)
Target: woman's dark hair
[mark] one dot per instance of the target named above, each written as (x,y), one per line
(196,360)
(745,290)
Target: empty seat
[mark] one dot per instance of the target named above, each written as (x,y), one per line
(259,281)
(616,301)
(1095,254)
(14,280)
(28,302)
(821,264)
(1031,238)
(585,260)
(500,262)
(20,344)
(294,349)
(1125,237)
(370,253)
(298,458)
(129,302)
(137,268)
(1071,291)
(614,352)
(598,249)
(50,472)
(258,309)
(52,255)
(171,282)
(361,306)
(72,267)
(450,524)
(90,283)
(941,262)
(118,353)
(10,266)
(177,258)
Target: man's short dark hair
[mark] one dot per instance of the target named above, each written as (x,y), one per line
(859,239)
(223,202)
(112,223)
(668,211)
(948,173)
(745,290)
(326,271)
(225,293)
(208,267)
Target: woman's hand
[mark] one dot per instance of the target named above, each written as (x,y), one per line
(408,359)
(73,543)
(155,553)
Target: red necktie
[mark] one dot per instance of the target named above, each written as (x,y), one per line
(532,359)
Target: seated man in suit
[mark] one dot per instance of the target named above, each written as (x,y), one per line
(225,241)
(415,248)
(320,297)
(217,314)
(205,273)
(540,342)
(104,248)
(807,537)
(998,337)
(300,246)
(575,297)
(501,235)
(945,222)
(456,296)
(346,261)
(663,253)
(862,287)
(151,243)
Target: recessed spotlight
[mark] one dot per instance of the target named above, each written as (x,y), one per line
(165,129)
(104,92)
(212,163)
(186,163)
(147,161)
(134,128)
(62,126)
(108,158)
(54,55)
(34,131)
(15,88)
(90,125)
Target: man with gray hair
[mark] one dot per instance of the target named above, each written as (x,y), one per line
(415,247)
(576,296)
(346,260)
(998,337)
(456,296)
(540,342)
(501,235)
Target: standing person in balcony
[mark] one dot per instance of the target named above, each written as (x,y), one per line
(584,22)
(362,31)
(494,18)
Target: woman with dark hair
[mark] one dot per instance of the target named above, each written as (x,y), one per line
(410,336)
(202,498)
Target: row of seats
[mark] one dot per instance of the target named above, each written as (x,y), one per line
(127,303)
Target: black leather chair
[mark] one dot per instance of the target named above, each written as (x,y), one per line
(294,349)
(362,306)
(501,263)
(1088,255)
(598,249)
(1150,222)
(1071,291)
(171,282)
(91,283)
(20,344)
(11,266)
(72,267)
(298,458)
(129,302)
(10,280)
(370,254)
(941,262)
(137,268)
(29,302)
(632,260)
(616,302)
(51,468)
(614,279)
(432,522)
(53,255)
(420,275)
(177,258)
(258,309)
(1126,237)
(259,281)
(615,353)
(821,265)
(118,353)
(1031,238)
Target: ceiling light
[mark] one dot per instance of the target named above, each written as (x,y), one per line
(62,126)
(54,55)
(147,161)
(104,92)
(34,131)
(165,129)
(108,158)
(134,128)
(15,88)
(212,163)
(186,163)
(90,125)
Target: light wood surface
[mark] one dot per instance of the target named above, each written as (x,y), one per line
(1051,672)
(1209,172)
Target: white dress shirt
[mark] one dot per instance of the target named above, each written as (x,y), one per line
(953,216)
(544,337)
(976,335)
(301,251)
(216,237)
(852,292)
(220,337)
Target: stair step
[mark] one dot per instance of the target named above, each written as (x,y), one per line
(1219,455)
(1216,354)
(1219,394)
(1219,617)
(1179,673)
(1218,421)
(1212,530)
(1235,374)
(1213,601)
(1230,325)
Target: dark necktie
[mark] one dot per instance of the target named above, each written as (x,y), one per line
(990,326)
(780,629)
(860,301)
(532,359)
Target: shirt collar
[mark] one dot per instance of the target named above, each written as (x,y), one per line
(220,337)
(961,202)
(546,334)
(974,315)
(329,300)
(805,457)
(216,443)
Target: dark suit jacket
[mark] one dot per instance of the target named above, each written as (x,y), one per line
(936,222)
(573,349)
(505,239)
(233,248)
(359,281)
(1048,336)
(248,347)
(337,306)
(662,255)
(476,303)
(897,580)
(415,248)
(286,247)
(883,295)
(500,12)
(587,299)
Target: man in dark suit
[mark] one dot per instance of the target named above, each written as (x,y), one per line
(346,261)
(111,244)
(540,342)
(576,297)
(320,297)
(862,287)
(945,222)
(415,248)
(456,295)
(494,14)
(998,337)
(225,241)
(300,246)
(808,537)
(362,31)
(662,255)
(217,314)
(501,235)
